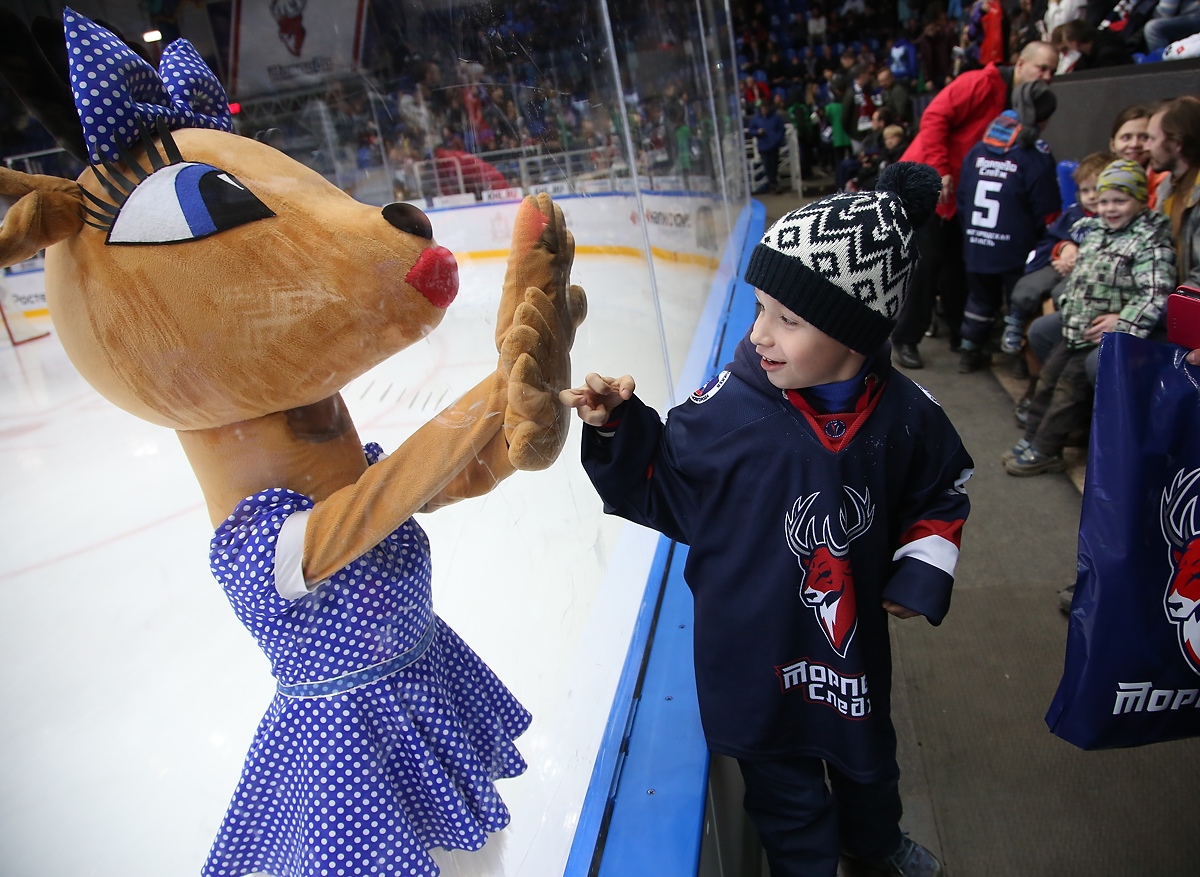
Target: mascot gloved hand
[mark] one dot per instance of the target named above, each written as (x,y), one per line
(208,283)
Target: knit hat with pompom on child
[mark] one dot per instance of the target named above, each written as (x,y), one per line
(844,263)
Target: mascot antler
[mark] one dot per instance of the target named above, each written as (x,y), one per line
(209,283)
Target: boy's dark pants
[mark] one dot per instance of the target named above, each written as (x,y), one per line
(1033,289)
(804,827)
(985,294)
(1062,404)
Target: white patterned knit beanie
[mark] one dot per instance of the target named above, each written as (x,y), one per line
(844,263)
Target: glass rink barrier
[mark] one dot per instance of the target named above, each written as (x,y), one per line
(131,690)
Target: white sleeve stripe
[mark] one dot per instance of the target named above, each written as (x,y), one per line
(289,557)
(936,551)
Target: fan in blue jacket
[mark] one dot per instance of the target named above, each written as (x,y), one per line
(818,491)
(768,128)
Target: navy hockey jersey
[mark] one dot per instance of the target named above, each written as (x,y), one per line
(1005,200)
(799,524)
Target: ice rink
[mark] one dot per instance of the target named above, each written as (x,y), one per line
(131,691)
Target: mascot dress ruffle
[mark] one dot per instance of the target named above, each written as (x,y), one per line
(208,283)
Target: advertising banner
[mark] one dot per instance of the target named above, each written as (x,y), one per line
(283,45)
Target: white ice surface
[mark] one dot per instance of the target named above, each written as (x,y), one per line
(130,690)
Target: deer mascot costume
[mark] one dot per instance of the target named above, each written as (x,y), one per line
(206,282)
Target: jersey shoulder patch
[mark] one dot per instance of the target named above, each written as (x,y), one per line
(1043,147)
(710,389)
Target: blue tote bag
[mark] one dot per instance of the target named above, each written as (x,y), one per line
(1132,671)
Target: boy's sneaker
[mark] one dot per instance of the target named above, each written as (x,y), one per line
(1015,451)
(1032,463)
(1013,338)
(910,860)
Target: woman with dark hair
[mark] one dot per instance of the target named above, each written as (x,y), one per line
(1128,141)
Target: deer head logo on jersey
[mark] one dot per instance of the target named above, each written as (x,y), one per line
(828,585)
(1182,600)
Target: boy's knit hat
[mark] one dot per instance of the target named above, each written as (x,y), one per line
(844,263)
(1125,176)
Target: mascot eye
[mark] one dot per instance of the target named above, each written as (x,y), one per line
(185,202)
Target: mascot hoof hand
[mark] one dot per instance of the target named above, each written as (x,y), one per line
(539,313)
(536,360)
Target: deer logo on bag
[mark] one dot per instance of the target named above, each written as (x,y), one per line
(828,585)
(1182,600)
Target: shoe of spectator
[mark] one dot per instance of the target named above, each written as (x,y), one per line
(910,860)
(1015,451)
(1065,597)
(1032,463)
(972,361)
(1013,338)
(1021,412)
(908,356)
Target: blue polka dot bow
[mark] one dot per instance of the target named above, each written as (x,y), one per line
(115,89)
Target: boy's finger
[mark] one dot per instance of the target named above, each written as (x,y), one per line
(598,384)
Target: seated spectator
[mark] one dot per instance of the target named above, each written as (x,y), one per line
(858,106)
(869,151)
(1172,20)
(1174,148)
(816,27)
(1122,277)
(894,96)
(1055,254)
(754,93)
(1060,12)
(1129,141)
(1082,47)
(894,144)
(1046,274)
(1007,194)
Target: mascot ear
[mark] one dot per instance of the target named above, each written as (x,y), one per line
(47,210)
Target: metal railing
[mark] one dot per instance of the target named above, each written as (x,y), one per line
(378,180)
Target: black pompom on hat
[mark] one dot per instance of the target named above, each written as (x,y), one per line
(844,263)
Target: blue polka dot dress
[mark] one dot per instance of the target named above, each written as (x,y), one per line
(358,768)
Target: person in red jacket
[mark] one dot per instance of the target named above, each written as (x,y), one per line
(955,120)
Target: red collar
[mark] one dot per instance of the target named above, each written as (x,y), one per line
(836,430)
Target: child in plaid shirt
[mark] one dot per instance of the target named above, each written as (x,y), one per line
(1123,274)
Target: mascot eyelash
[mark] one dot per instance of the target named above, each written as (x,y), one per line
(175,201)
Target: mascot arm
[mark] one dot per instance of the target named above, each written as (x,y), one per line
(512,420)
(356,518)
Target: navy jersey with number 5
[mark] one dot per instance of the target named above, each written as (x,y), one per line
(1006,197)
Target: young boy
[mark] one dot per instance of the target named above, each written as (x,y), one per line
(1122,276)
(1007,193)
(1054,256)
(820,491)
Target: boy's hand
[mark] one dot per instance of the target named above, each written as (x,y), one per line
(898,610)
(595,400)
(1064,262)
(1100,325)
